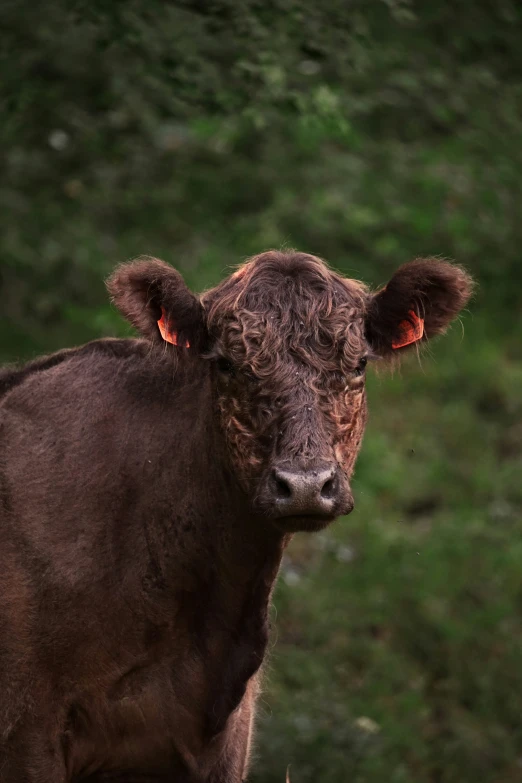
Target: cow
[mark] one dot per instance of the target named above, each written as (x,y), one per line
(148,489)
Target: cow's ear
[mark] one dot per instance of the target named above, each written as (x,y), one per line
(153,296)
(420,301)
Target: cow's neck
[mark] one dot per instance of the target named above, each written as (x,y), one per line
(224,560)
(234,583)
(237,617)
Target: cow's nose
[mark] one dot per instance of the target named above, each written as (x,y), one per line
(311,491)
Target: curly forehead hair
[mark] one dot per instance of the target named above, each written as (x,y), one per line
(284,303)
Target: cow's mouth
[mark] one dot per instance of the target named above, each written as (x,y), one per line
(304,523)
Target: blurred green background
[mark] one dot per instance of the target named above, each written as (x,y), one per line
(368,132)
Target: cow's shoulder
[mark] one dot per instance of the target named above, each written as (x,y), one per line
(14,375)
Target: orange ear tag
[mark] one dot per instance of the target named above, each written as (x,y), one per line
(410,332)
(168,335)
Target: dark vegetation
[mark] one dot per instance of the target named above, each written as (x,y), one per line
(368,133)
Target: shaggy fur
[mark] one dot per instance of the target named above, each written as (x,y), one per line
(139,542)
(293,333)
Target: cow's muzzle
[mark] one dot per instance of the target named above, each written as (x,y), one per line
(317,491)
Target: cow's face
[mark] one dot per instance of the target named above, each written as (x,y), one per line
(288,341)
(289,353)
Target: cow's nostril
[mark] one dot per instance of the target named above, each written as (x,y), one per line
(328,489)
(282,487)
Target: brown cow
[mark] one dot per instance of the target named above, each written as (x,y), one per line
(148,488)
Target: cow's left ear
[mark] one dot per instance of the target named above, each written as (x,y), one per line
(420,301)
(153,296)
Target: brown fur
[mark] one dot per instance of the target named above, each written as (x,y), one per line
(138,543)
(294,332)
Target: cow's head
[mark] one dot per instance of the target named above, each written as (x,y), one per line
(288,340)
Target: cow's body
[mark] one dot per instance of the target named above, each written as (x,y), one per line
(136,566)
(115,603)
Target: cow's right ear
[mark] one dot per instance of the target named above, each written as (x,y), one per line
(153,296)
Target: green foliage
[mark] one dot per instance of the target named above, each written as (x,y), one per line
(368,133)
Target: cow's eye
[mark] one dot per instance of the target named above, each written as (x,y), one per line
(225,366)
(359,370)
